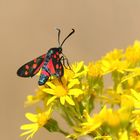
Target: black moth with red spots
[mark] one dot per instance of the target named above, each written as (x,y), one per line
(51,63)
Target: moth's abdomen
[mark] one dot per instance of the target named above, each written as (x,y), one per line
(44,76)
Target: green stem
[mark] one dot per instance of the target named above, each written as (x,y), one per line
(63,132)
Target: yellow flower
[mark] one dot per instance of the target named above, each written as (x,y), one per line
(64,90)
(91,124)
(38,121)
(113,61)
(137,123)
(136,98)
(115,118)
(32,99)
(112,118)
(112,65)
(126,108)
(95,69)
(79,69)
(114,55)
(82,89)
(132,53)
(123,135)
(134,135)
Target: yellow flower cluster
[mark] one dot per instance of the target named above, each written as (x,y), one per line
(87,105)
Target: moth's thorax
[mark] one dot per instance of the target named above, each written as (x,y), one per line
(53,51)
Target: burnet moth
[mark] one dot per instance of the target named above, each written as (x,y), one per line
(51,63)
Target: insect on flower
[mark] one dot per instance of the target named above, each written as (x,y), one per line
(51,63)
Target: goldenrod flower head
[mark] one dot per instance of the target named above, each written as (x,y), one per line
(82,90)
(134,135)
(137,124)
(95,69)
(127,102)
(32,99)
(114,61)
(90,125)
(125,110)
(64,89)
(63,92)
(123,135)
(114,65)
(79,69)
(132,53)
(38,121)
(112,118)
(116,54)
(136,98)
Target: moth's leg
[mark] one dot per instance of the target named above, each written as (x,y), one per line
(65,61)
(60,80)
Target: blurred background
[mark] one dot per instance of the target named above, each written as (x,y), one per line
(27,30)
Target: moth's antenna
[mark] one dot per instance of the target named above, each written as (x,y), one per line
(67,37)
(59,31)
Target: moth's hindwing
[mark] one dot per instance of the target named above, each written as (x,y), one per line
(44,76)
(55,66)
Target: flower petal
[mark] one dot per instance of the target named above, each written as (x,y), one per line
(77,67)
(49,91)
(62,100)
(29,126)
(75,91)
(69,100)
(26,132)
(51,100)
(73,82)
(32,117)
(30,132)
(51,85)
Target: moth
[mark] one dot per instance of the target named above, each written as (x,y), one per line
(51,63)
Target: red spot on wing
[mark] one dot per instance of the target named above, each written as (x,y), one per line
(26,67)
(57,53)
(35,60)
(38,68)
(57,59)
(50,66)
(34,66)
(54,55)
(26,72)
(57,66)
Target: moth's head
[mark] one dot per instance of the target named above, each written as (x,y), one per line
(54,51)
(59,50)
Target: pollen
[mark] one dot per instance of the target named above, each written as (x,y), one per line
(60,91)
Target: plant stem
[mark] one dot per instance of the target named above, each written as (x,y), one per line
(63,132)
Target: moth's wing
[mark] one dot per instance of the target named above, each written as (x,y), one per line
(31,68)
(55,67)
